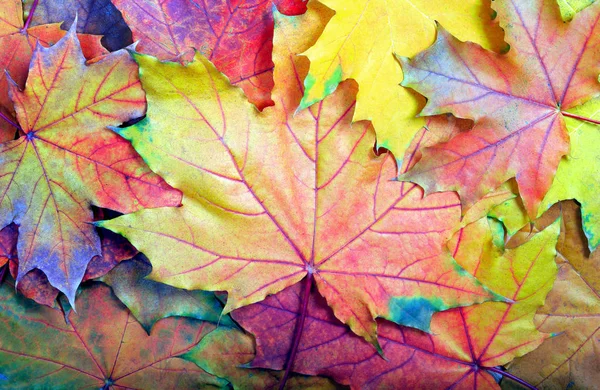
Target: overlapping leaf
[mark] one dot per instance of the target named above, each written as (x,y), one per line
(271,198)
(17,42)
(576,178)
(518,100)
(569,8)
(8,244)
(223,351)
(209,355)
(66,160)
(360,42)
(150,301)
(98,17)
(35,285)
(101,346)
(578,175)
(464,346)
(572,310)
(235,35)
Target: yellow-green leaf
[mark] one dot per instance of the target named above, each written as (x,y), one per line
(578,175)
(569,8)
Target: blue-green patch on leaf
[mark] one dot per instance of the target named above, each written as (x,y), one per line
(415,312)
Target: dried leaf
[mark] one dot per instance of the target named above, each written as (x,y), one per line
(360,41)
(209,355)
(101,346)
(66,160)
(267,197)
(17,47)
(518,101)
(98,17)
(235,35)
(464,346)
(572,312)
(34,285)
(569,8)
(578,175)
(150,301)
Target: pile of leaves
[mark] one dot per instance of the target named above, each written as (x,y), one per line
(258,194)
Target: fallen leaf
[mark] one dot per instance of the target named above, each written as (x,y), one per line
(582,161)
(34,285)
(98,17)
(518,101)
(572,311)
(465,344)
(18,42)
(267,197)
(8,244)
(439,129)
(235,35)
(209,355)
(578,175)
(101,346)
(150,301)
(569,8)
(115,248)
(360,41)
(66,160)
(512,214)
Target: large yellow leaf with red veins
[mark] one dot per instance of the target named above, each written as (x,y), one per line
(360,41)
(67,160)
(271,198)
(572,310)
(518,100)
(17,43)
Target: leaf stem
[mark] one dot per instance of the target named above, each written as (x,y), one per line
(298,330)
(581,118)
(10,121)
(511,376)
(30,16)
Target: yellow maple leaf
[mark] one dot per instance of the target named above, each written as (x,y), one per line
(360,41)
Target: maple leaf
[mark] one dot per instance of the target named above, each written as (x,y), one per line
(267,197)
(442,128)
(359,43)
(569,8)
(209,355)
(578,176)
(18,41)
(35,285)
(236,36)
(8,244)
(569,360)
(465,344)
(98,17)
(518,100)
(101,346)
(150,301)
(115,248)
(66,160)
(512,214)
(582,160)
